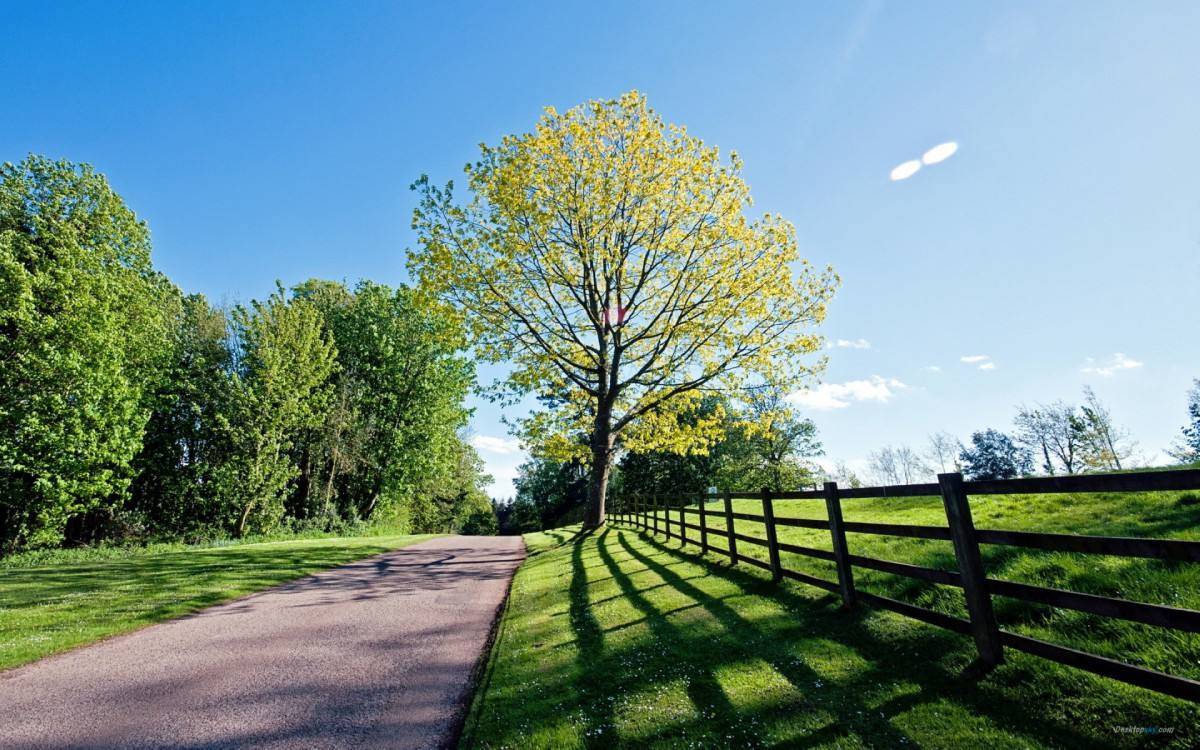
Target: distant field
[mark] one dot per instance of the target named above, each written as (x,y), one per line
(74,598)
(620,639)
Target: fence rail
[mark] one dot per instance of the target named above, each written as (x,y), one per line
(645,514)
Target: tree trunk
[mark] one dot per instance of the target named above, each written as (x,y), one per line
(598,478)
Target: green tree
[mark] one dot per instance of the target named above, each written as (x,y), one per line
(1103,444)
(189,437)
(994,455)
(777,441)
(608,256)
(283,360)
(548,490)
(457,501)
(399,391)
(84,326)
(1187,448)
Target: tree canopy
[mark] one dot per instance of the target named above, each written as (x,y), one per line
(129,410)
(994,455)
(84,327)
(609,259)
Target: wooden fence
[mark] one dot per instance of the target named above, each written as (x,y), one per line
(646,514)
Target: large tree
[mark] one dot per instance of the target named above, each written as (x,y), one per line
(995,455)
(189,436)
(1055,432)
(391,439)
(608,258)
(1105,445)
(283,360)
(84,328)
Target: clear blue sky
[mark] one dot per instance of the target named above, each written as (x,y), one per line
(268,141)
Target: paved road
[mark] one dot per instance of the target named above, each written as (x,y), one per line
(375,654)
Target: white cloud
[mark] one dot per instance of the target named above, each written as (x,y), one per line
(935,155)
(988,366)
(828,396)
(971,359)
(940,152)
(931,368)
(1114,363)
(850,344)
(905,170)
(503,446)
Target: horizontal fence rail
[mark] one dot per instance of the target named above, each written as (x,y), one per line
(675,517)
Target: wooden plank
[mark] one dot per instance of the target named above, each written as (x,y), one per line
(703,526)
(1180,687)
(949,622)
(820,583)
(733,553)
(802,523)
(800,495)
(750,516)
(898,529)
(1165,549)
(820,554)
(1151,614)
(1131,481)
(752,540)
(755,562)
(895,490)
(841,552)
(984,629)
(948,577)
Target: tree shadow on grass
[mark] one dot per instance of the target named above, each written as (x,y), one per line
(858,707)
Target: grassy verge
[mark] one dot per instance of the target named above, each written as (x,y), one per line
(76,597)
(618,639)
(1165,515)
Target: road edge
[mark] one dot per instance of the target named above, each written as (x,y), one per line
(481,674)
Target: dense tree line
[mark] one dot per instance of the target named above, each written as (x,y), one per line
(127,407)
(759,441)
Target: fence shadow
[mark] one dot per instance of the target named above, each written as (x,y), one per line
(701,638)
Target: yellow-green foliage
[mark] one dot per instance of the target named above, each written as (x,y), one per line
(609,259)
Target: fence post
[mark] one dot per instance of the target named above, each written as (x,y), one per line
(683,520)
(733,556)
(970,567)
(833,507)
(772,541)
(703,525)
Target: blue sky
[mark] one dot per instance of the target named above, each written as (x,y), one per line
(1062,241)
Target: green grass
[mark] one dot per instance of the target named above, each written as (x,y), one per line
(76,597)
(618,639)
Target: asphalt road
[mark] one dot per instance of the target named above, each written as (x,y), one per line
(378,654)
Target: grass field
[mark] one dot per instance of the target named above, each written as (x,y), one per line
(76,597)
(616,638)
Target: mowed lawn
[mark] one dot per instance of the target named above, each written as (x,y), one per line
(77,599)
(618,638)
